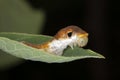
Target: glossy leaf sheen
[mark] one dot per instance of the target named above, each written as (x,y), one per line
(11,43)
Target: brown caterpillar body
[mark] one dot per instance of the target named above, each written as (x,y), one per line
(69,36)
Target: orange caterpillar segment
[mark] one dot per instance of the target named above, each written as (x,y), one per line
(38,46)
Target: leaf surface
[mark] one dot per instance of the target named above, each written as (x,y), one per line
(11,43)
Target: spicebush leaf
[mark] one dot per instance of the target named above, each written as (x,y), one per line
(10,43)
(19,16)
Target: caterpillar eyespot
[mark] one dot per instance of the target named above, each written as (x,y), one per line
(63,39)
(69,34)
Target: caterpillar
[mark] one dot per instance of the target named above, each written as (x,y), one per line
(69,36)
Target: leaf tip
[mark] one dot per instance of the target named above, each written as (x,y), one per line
(101,56)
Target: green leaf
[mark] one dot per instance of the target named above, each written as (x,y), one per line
(10,43)
(18,16)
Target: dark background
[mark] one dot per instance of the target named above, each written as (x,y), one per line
(100,18)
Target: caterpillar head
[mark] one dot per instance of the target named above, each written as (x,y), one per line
(73,36)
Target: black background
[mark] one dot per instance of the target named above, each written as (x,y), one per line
(100,18)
